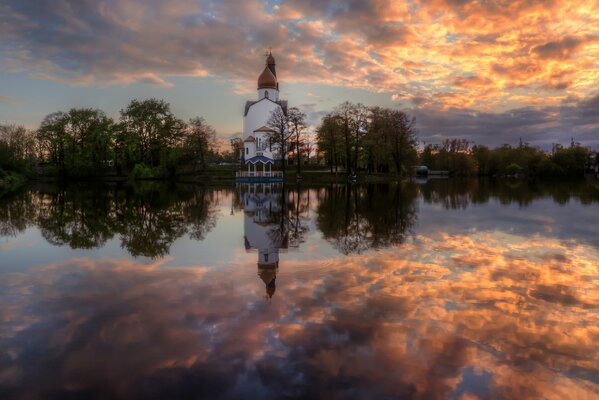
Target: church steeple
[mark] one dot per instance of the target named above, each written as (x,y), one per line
(268,85)
(270,63)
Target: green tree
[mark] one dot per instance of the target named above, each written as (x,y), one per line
(329,140)
(148,131)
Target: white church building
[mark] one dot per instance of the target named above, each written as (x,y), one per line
(259,153)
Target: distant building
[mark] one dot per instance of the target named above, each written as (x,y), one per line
(259,152)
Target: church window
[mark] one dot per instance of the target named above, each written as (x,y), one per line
(266,258)
(247,150)
(266,94)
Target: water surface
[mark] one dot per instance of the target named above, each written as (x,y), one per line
(424,290)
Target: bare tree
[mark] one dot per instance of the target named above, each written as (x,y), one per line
(279,137)
(200,141)
(297,128)
(345,113)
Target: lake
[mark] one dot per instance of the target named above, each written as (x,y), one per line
(439,289)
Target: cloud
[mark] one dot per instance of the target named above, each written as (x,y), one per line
(540,126)
(420,47)
(560,49)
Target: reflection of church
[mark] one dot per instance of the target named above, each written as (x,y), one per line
(265,228)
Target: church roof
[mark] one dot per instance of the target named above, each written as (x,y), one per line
(250,139)
(267,80)
(260,159)
(263,129)
(249,103)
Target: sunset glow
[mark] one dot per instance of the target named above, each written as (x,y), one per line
(488,71)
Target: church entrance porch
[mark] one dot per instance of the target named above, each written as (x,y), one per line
(259,168)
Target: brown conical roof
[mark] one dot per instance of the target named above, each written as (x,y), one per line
(267,80)
(270,60)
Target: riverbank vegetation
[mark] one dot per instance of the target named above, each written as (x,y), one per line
(460,157)
(147,141)
(374,140)
(357,138)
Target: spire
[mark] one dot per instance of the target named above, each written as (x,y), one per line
(270,63)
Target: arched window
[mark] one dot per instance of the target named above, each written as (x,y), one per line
(266,94)
(247,150)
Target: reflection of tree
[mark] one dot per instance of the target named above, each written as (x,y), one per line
(200,212)
(148,218)
(357,218)
(290,220)
(79,218)
(150,223)
(459,193)
(17,212)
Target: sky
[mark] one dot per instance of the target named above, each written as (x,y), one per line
(492,72)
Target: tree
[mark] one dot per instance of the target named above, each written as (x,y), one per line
(17,147)
(345,112)
(51,137)
(199,142)
(236,149)
(78,142)
(149,128)
(329,139)
(280,134)
(359,124)
(297,128)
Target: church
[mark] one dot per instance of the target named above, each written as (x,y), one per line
(259,153)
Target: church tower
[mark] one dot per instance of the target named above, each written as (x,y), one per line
(268,85)
(260,151)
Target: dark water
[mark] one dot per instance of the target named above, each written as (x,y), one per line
(429,290)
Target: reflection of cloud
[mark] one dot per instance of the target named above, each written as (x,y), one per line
(450,316)
(12,245)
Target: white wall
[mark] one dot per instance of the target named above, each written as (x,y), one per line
(273,94)
(256,118)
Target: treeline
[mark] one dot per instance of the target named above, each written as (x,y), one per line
(147,141)
(460,157)
(373,139)
(382,140)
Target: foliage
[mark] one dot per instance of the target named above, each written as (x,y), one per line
(78,142)
(374,139)
(199,143)
(147,128)
(17,148)
(148,141)
(514,169)
(457,157)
